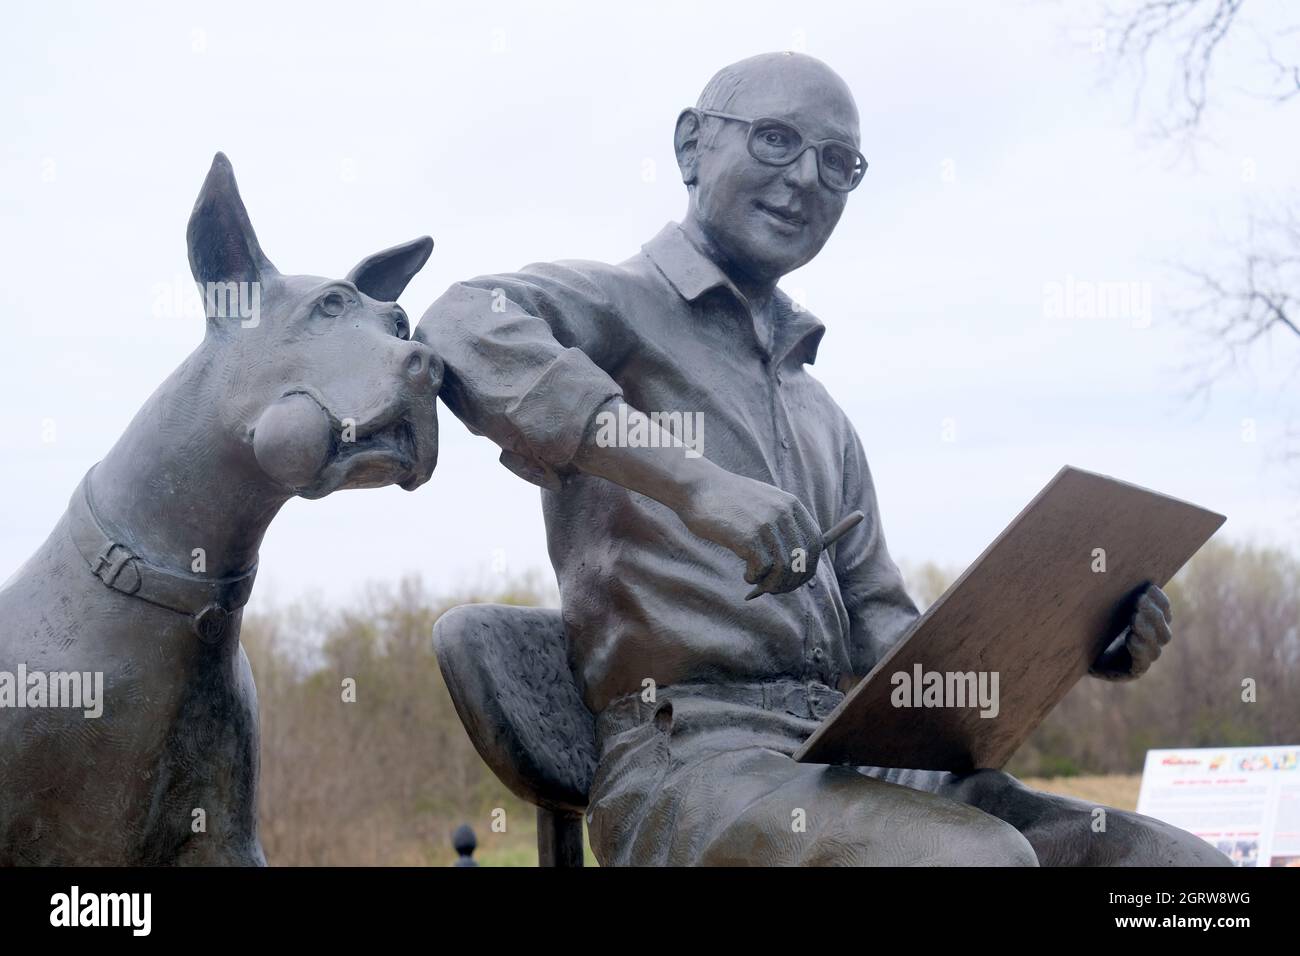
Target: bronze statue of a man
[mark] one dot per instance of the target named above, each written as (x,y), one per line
(644,532)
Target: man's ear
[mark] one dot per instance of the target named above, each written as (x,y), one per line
(384,275)
(686,143)
(222,244)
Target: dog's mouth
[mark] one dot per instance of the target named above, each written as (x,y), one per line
(398,447)
(385,448)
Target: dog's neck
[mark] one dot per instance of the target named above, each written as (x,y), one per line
(181,477)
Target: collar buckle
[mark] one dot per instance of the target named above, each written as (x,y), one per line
(109,564)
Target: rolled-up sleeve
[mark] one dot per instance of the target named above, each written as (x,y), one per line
(871,586)
(526,356)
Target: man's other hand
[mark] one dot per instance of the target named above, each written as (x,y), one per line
(769,529)
(1130,654)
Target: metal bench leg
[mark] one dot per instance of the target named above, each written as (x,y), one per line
(559,838)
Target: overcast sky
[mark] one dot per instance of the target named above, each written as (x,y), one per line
(514,133)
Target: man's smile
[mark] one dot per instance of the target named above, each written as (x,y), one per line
(786,215)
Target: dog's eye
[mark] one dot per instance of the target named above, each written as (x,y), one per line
(332,303)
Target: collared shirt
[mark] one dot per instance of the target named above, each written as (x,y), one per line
(531,358)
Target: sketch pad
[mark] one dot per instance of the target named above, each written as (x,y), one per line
(1032,609)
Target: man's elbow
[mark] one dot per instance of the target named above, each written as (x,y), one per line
(447,313)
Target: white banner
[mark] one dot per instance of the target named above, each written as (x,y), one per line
(1243,800)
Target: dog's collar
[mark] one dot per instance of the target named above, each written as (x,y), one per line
(208,602)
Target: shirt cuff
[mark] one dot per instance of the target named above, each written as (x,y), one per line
(552,415)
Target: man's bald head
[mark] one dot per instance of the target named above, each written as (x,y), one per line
(756,84)
(763,221)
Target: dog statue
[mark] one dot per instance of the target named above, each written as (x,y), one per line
(303,387)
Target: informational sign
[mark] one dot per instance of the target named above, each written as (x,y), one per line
(1243,800)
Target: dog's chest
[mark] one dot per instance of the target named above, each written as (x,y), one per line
(171,758)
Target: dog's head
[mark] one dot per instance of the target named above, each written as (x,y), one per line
(320,378)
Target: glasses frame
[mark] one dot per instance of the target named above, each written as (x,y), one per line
(806,144)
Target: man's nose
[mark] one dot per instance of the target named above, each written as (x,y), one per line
(803,171)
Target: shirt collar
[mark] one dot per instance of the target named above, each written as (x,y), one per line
(691,273)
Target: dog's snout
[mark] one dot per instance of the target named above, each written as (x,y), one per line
(422,366)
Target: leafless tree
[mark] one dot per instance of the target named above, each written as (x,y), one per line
(1250,304)
(1179,44)
(1252,299)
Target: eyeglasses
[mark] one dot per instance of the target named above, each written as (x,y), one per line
(776,143)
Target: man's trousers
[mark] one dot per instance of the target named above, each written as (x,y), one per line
(704,775)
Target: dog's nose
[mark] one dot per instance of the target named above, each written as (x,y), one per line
(423,367)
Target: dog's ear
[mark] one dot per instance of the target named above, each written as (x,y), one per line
(222,244)
(384,275)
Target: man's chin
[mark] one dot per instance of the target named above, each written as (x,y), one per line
(765,250)
(776,255)
(776,263)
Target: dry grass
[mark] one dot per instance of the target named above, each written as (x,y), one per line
(1116,790)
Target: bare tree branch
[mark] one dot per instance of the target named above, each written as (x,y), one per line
(1256,301)
(1260,298)
(1182,40)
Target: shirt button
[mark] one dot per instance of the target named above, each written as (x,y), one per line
(817,654)
(779,378)
(785,443)
(812,583)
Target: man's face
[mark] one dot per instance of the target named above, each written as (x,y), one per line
(769,220)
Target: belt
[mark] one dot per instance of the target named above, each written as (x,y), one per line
(811,700)
(207,602)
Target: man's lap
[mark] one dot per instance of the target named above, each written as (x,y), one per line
(696,789)
(702,783)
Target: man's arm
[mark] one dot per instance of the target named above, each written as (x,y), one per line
(526,357)
(761,524)
(879,607)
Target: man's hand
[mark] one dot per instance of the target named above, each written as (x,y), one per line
(1130,654)
(770,530)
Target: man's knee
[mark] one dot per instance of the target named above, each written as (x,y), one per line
(1065,831)
(985,841)
(898,826)
(1144,841)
